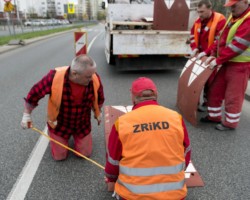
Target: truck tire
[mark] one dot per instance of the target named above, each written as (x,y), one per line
(112,59)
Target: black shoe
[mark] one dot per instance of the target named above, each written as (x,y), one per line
(222,127)
(206,120)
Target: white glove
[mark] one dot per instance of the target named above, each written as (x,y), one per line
(26,121)
(200,55)
(99,119)
(212,64)
(209,59)
(194,52)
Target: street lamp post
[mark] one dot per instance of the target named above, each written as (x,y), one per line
(18,17)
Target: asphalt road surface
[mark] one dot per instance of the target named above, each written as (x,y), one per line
(27,170)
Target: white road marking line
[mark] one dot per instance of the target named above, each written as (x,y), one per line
(25,178)
(93,40)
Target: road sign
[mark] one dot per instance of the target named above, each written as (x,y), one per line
(80,43)
(8,7)
(71,8)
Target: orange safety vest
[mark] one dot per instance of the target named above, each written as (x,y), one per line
(212,24)
(152,164)
(55,98)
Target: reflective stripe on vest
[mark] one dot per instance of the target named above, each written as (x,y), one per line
(244,55)
(151,171)
(55,98)
(152,164)
(211,26)
(153,188)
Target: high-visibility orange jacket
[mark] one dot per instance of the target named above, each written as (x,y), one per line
(153,160)
(55,98)
(205,32)
(239,41)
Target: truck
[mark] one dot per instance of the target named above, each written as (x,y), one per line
(147,34)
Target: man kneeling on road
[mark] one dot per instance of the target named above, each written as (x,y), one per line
(74,90)
(148,149)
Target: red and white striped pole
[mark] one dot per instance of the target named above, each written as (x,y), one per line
(80,43)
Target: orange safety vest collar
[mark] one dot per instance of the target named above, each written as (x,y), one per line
(55,98)
(212,24)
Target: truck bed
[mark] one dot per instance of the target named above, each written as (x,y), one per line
(152,42)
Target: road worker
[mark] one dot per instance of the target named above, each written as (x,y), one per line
(233,53)
(74,91)
(148,149)
(203,34)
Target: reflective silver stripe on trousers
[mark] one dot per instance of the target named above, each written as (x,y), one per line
(151,171)
(214,108)
(242,41)
(215,114)
(233,115)
(232,120)
(146,189)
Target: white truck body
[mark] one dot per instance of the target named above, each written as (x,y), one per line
(122,39)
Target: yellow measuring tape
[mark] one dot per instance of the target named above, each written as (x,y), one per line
(66,147)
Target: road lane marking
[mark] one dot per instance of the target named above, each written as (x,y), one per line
(21,187)
(93,40)
(25,178)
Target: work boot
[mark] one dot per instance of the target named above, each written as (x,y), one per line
(222,127)
(207,120)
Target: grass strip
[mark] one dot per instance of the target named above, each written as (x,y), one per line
(23,36)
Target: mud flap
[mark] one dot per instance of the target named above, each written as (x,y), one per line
(192,176)
(191,82)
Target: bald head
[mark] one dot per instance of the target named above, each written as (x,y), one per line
(82,62)
(82,69)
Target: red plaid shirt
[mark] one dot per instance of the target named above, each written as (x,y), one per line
(73,118)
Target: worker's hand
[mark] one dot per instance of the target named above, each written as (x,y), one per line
(213,64)
(99,119)
(26,121)
(200,55)
(111,185)
(209,59)
(194,52)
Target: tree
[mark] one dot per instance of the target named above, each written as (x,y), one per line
(32,12)
(218,5)
(89,9)
(101,15)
